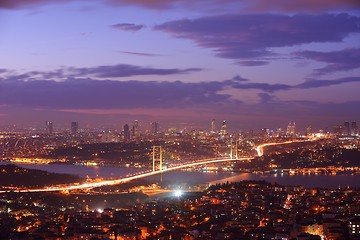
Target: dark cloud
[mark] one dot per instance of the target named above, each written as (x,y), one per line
(125,70)
(301,5)
(313,83)
(141,54)
(254,36)
(112,71)
(309,84)
(127,27)
(202,100)
(245,5)
(239,79)
(344,60)
(105,94)
(253,63)
(85,93)
(267,87)
(265,97)
(13,4)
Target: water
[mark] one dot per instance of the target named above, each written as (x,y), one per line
(82,171)
(178,177)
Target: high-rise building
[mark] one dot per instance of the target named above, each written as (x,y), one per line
(308,131)
(213,126)
(265,132)
(354,130)
(49,127)
(339,130)
(136,129)
(346,128)
(223,128)
(154,128)
(74,127)
(126,133)
(290,130)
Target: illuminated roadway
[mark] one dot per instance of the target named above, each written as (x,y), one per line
(123,179)
(260,149)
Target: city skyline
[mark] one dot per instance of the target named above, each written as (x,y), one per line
(254,64)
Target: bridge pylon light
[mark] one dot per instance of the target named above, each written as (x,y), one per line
(157,156)
(234,150)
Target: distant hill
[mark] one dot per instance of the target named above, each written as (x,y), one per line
(12,175)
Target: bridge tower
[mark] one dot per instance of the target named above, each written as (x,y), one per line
(234,150)
(157,156)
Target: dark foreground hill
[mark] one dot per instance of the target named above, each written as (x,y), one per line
(12,175)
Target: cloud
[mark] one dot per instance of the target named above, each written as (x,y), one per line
(79,98)
(344,60)
(13,4)
(238,78)
(106,71)
(245,5)
(309,84)
(250,37)
(88,93)
(253,63)
(141,54)
(106,94)
(313,83)
(265,97)
(300,5)
(127,27)
(125,70)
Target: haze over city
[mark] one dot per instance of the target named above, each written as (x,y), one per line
(254,63)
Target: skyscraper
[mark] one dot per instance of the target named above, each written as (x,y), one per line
(290,130)
(347,128)
(223,128)
(135,129)
(308,131)
(74,127)
(154,128)
(126,133)
(49,127)
(339,130)
(354,131)
(213,126)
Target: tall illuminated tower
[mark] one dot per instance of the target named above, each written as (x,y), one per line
(223,128)
(213,126)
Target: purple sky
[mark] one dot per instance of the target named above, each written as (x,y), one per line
(255,63)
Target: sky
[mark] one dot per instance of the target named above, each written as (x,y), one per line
(254,63)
